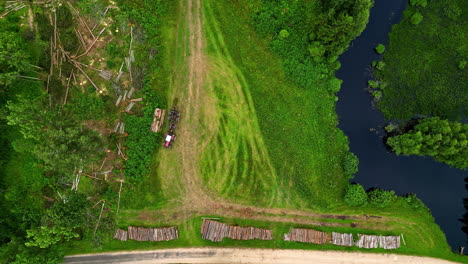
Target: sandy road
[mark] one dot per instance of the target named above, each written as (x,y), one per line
(237,255)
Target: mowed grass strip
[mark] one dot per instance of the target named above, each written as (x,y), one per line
(297,126)
(235,160)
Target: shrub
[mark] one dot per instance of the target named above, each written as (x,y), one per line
(422,3)
(373,84)
(380,49)
(355,195)
(414,202)
(377,95)
(283,34)
(350,164)
(380,65)
(416,18)
(381,198)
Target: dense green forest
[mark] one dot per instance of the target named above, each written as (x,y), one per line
(424,69)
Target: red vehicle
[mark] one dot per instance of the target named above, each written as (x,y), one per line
(169,139)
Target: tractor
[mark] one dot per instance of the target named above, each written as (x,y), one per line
(173,117)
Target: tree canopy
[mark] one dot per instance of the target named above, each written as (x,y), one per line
(444,140)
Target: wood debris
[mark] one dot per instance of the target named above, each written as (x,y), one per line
(129,107)
(307,236)
(215,231)
(107,75)
(342,239)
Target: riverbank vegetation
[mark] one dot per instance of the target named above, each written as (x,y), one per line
(425,71)
(445,141)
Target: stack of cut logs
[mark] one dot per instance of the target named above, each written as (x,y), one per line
(307,236)
(389,242)
(248,233)
(341,239)
(147,234)
(216,231)
(121,235)
(367,241)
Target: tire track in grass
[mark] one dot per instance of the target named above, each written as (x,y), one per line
(243,168)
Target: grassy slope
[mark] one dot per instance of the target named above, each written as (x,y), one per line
(422,64)
(298,126)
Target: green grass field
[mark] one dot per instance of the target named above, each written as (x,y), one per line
(275,138)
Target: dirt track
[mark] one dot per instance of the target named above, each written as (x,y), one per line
(236,255)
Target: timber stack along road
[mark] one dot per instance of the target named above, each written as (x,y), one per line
(237,255)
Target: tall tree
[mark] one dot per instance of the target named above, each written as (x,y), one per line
(444,140)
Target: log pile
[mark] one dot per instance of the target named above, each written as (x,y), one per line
(147,234)
(216,231)
(342,239)
(249,233)
(307,236)
(158,119)
(367,241)
(389,242)
(121,235)
(213,230)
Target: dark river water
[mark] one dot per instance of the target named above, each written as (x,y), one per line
(440,187)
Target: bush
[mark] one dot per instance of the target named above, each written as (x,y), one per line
(381,198)
(414,202)
(380,49)
(355,195)
(377,95)
(416,18)
(422,3)
(373,84)
(350,165)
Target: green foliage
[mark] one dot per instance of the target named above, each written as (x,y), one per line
(283,34)
(61,143)
(444,140)
(44,236)
(355,195)
(380,49)
(85,106)
(381,198)
(380,65)
(13,58)
(416,18)
(390,127)
(377,94)
(141,141)
(422,64)
(69,212)
(35,255)
(415,203)
(350,164)
(422,3)
(373,84)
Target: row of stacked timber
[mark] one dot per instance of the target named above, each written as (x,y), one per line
(342,239)
(367,241)
(307,236)
(147,234)
(121,235)
(373,241)
(215,231)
